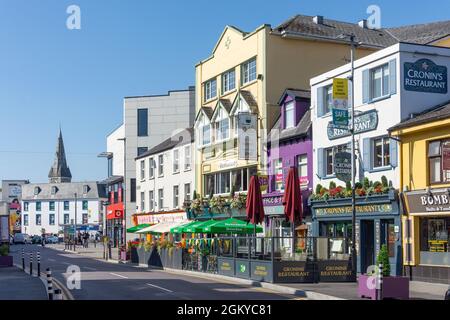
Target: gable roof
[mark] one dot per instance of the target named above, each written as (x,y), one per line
(435,113)
(426,33)
(177,140)
(225,103)
(300,130)
(295,93)
(207,111)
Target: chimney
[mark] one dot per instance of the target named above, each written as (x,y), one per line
(318,19)
(363,24)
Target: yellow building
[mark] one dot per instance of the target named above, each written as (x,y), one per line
(425,177)
(238,87)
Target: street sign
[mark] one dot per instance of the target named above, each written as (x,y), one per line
(343,166)
(340,118)
(340,89)
(340,103)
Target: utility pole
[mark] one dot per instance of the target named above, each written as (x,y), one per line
(75,223)
(354,265)
(125,188)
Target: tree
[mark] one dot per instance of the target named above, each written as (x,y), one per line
(383,259)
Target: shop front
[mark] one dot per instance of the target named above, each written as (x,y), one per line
(378,223)
(427,250)
(115,224)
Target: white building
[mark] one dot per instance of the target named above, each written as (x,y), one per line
(11,190)
(147,121)
(390,86)
(165,174)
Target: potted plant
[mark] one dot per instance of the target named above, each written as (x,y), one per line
(238,202)
(392,287)
(5,259)
(217,204)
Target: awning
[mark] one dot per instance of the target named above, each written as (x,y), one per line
(232,226)
(180,228)
(163,227)
(138,228)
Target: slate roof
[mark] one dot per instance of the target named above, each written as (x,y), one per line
(112,180)
(65,191)
(300,130)
(435,113)
(302,25)
(226,103)
(250,100)
(60,170)
(175,140)
(296,93)
(422,33)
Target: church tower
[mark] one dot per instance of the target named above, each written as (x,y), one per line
(60,172)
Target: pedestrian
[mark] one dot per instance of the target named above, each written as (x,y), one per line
(447,294)
(86,239)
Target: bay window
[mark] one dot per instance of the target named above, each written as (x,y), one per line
(222,182)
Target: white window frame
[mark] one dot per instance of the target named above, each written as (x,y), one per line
(278,169)
(151,168)
(151,200)
(50,220)
(302,164)
(247,75)
(210,90)
(176,161)
(385,73)
(142,170)
(327,99)
(222,118)
(289,107)
(161,165)
(160,199)
(372,149)
(228,81)
(326,162)
(187,195)
(176,197)
(142,201)
(187,158)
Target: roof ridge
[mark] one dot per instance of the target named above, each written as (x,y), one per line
(419,24)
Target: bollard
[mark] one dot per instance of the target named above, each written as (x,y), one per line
(380,282)
(49,284)
(38,264)
(57,295)
(31,263)
(23,259)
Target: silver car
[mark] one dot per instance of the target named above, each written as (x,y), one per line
(22,238)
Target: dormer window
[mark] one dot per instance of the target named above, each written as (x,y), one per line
(222,126)
(86,189)
(37,190)
(54,190)
(289,115)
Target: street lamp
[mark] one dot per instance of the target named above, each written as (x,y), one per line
(75,223)
(124,221)
(353,45)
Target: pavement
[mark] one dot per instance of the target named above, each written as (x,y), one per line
(319,291)
(17,285)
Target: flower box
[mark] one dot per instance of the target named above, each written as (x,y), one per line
(6,261)
(393,287)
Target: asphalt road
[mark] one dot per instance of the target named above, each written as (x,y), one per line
(107,281)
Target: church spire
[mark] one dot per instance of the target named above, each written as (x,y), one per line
(60,172)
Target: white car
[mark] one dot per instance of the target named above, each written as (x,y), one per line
(52,239)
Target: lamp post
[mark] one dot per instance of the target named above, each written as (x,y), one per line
(353,45)
(124,221)
(75,223)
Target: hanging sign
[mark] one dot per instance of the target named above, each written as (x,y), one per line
(343,166)
(247,136)
(340,103)
(364,122)
(425,76)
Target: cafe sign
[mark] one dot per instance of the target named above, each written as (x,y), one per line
(434,202)
(361,209)
(364,122)
(425,76)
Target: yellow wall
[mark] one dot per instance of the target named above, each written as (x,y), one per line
(443,42)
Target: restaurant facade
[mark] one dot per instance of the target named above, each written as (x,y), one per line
(425,154)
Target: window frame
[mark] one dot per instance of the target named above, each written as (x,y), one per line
(327,99)
(186,198)
(142,169)
(442,174)
(151,200)
(139,128)
(208,89)
(226,83)
(176,196)
(383,139)
(68,206)
(38,206)
(289,106)
(85,205)
(160,199)
(176,161)
(385,73)
(151,168)
(142,204)
(246,75)
(161,165)
(305,164)
(187,158)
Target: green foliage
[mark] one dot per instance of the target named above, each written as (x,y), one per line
(318,188)
(366,183)
(194,196)
(384,181)
(348,186)
(383,259)
(358,185)
(4,250)
(377,184)
(332,185)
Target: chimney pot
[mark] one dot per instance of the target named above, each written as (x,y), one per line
(318,19)
(363,24)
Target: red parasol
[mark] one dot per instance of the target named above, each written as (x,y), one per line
(293,208)
(254,206)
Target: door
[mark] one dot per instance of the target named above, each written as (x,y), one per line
(367,244)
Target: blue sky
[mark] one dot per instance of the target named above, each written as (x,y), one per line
(50,75)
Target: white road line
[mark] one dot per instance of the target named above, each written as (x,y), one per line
(164,289)
(66,263)
(118,275)
(89,268)
(52,260)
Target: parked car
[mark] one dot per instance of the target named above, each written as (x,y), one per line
(52,239)
(22,238)
(36,240)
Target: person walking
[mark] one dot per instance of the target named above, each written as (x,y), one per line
(86,240)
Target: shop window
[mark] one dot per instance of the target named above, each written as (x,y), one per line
(220,183)
(388,236)
(381,152)
(439,161)
(434,241)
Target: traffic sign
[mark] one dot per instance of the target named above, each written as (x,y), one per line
(340,89)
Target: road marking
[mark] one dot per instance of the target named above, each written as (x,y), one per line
(118,275)
(52,260)
(160,288)
(66,263)
(89,268)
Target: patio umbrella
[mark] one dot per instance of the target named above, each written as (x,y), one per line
(254,205)
(137,228)
(231,226)
(179,229)
(292,201)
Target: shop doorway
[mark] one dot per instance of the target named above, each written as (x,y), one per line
(367,244)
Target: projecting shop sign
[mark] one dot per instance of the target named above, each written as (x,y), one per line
(425,76)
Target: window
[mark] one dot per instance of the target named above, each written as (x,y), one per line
(25,220)
(36,190)
(141,151)
(176,161)
(142,169)
(187,192)
(151,166)
(160,199)
(228,81)
(132,190)
(187,158)
(328,99)
(51,219)
(161,165)
(220,183)
(85,205)
(329,158)
(289,115)
(222,125)
(38,206)
(381,152)
(379,81)
(66,205)
(224,183)
(176,196)
(142,201)
(438,161)
(151,199)
(210,88)
(278,171)
(86,189)
(249,71)
(54,190)
(110,166)
(85,218)
(388,236)
(206,134)
(434,236)
(51,206)
(302,166)
(25,206)
(142,122)
(38,220)
(66,218)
